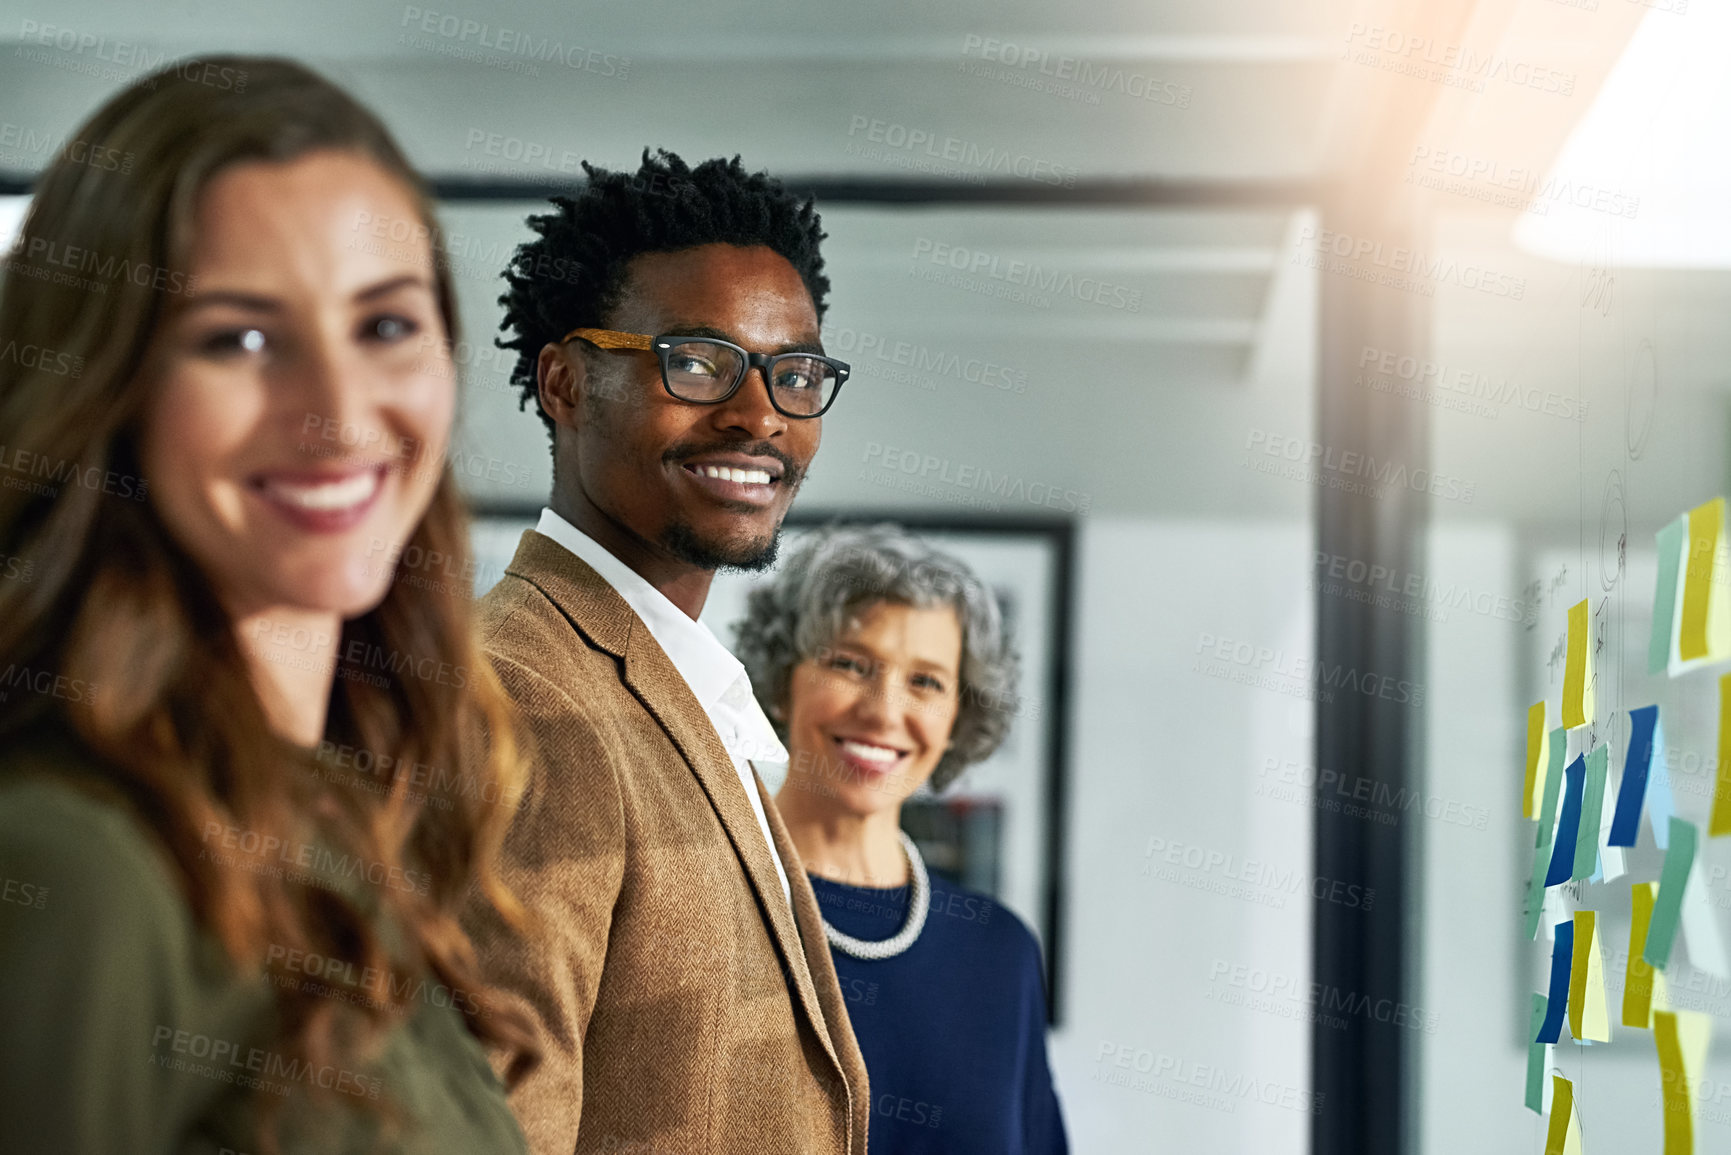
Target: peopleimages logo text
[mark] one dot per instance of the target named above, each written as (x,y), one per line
(1324,996)
(1277,663)
(1058,66)
(1512,186)
(1369,259)
(964,475)
(1450,62)
(924,359)
(967,153)
(1454,595)
(1380,476)
(514,42)
(1424,374)
(992,266)
(1256,872)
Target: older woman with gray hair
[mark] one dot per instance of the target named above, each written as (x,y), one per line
(884,664)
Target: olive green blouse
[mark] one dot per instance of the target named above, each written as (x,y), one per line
(124,1028)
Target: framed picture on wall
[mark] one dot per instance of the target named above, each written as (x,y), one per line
(999,828)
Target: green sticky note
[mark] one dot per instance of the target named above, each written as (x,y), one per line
(1668,906)
(1547,831)
(1536,888)
(1536,1057)
(1553,789)
(1592,811)
(1670,540)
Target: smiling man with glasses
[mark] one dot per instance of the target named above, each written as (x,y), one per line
(680,980)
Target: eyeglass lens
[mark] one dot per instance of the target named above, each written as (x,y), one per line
(707,370)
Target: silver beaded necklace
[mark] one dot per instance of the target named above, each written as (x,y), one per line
(918,905)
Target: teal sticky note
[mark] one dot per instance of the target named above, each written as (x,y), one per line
(1668,905)
(1670,540)
(1553,788)
(1592,810)
(1536,888)
(1536,1057)
(1535,904)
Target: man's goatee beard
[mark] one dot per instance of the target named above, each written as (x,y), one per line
(752,556)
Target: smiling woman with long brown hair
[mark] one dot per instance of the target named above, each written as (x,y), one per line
(247,774)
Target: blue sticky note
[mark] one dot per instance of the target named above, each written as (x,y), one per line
(1626,820)
(1562,959)
(1569,825)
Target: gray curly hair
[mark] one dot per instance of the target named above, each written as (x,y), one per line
(843,570)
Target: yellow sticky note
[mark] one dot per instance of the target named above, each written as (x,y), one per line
(1538,754)
(1719,821)
(1638,980)
(1564,1136)
(1578,672)
(1681,1039)
(1587,1015)
(1704,627)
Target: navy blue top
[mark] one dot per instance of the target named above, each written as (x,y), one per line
(953,1029)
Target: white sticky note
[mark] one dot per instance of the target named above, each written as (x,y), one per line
(1611,866)
(1701,936)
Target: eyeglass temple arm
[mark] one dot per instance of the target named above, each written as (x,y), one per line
(611,338)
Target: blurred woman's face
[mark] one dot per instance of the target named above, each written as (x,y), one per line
(303,393)
(869,717)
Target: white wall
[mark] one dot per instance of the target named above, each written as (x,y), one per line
(1164,751)
(1468,901)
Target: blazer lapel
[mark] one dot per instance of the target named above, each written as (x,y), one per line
(652,676)
(597,611)
(810,919)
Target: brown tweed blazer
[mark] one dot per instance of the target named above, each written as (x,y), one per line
(680,1008)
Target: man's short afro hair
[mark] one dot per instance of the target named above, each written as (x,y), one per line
(573,274)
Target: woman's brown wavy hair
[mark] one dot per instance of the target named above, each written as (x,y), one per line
(156,683)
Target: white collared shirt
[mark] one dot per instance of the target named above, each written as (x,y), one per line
(715,676)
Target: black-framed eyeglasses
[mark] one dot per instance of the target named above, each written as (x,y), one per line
(707,370)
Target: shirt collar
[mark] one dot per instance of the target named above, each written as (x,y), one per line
(715,676)
(695,651)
